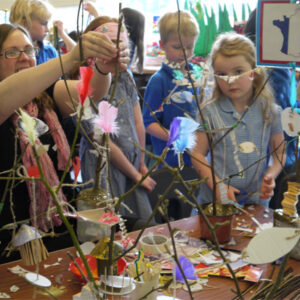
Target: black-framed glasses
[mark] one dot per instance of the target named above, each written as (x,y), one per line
(16,53)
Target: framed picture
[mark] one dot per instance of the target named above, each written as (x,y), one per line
(277,33)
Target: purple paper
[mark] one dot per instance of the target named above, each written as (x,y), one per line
(188,269)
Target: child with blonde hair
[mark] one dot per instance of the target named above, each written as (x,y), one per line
(181,102)
(243,103)
(34,15)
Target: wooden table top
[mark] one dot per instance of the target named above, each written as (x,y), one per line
(60,276)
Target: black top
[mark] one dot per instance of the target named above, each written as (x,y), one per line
(20,196)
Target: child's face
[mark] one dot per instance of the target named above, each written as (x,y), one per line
(173,49)
(39,29)
(235,87)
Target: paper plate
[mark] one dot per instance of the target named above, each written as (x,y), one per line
(37,279)
(271,244)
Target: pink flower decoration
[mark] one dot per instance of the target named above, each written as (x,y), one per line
(108,218)
(84,86)
(107,118)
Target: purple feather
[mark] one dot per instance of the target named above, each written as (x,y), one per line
(174,131)
(188,269)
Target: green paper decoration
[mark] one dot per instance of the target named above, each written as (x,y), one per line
(207,23)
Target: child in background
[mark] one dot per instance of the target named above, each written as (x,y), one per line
(126,160)
(162,83)
(69,43)
(242,152)
(135,24)
(34,15)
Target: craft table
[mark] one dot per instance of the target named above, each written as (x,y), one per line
(60,276)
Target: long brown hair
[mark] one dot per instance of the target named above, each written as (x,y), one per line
(7,29)
(42,100)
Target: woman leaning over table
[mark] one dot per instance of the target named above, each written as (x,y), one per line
(23,87)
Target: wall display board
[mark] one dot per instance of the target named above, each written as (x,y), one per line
(277,33)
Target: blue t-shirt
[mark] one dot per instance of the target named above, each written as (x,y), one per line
(46,53)
(160,85)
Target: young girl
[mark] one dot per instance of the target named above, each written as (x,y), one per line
(126,160)
(34,15)
(240,158)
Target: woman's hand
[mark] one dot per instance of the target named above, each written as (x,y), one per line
(107,66)
(96,45)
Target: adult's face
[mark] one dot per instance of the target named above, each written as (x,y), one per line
(16,40)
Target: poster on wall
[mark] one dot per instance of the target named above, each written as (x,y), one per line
(277,33)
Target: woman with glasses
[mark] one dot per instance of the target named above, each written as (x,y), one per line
(22,86)
(34,15)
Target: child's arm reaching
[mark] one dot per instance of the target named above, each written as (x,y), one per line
(203,167)
(120,161)
(159,132)
(277,162)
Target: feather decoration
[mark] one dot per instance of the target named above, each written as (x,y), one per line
(76,167)
(178,75)
(84,86)
(188,270)
(28,125)
(197,71)
(107,117)
(186,137)
(174,131)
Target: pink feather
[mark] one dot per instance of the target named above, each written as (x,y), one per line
(107,118)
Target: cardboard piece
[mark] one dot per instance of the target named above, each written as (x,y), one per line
(271,244)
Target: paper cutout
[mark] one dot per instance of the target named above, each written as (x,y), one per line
(290,199)
(4,296)
(248,273)
(14,288)
(34,171)
(76,167)
(271,244)
(188,269)
(108,218)
(247,147)
(93,215)
(290,121)
(38,279)
(92,262)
